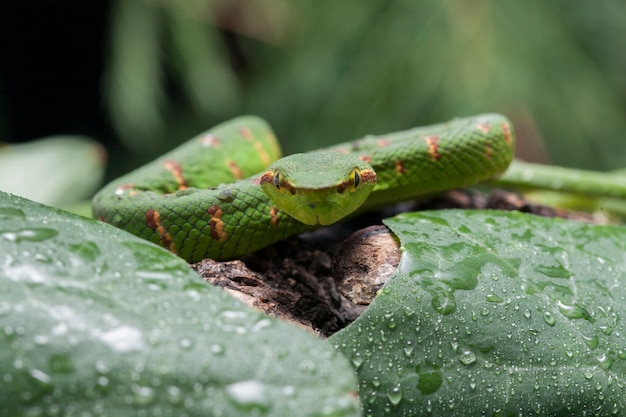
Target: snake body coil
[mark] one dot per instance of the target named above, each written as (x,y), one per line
(200,201)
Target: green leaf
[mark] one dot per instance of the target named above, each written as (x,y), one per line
(98,322)
(57,170)
(496,314)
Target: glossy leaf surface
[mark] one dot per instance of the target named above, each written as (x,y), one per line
(97,322)
(496,314)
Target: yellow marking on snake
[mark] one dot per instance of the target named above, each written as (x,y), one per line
(235,170)
(210,140)
(216,224)
(508,135)
(177,172)
(483,127)
(368,175)
(247,133)
(433,147)
(122,189)
(153,220)
(274,216)
(258,146)
(488,151)
(382,142)
(399,167)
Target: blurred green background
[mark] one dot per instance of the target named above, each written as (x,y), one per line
(320,72)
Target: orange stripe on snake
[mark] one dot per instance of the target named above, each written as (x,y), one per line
(508,136)
(368,175)
(247,133)
(488,151)
(483,127)
(265,158)
(258,146)
(177,172)
(274,216)
(153,221)
(210,140)
(122,189)
(235,170)
(399,167)
(433,147)
(382,142)
(216,224)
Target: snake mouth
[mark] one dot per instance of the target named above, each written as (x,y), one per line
(321,212)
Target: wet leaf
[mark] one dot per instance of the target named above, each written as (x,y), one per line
(498,314)
(57,170)
(94,321)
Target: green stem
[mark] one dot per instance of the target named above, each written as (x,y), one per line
(589,183)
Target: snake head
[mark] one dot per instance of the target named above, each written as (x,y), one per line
(318,188)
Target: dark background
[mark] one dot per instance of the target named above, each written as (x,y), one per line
(142,77)
(53,58)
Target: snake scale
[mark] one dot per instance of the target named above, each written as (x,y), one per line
(215,196)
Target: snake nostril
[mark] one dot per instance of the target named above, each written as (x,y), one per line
(312,205)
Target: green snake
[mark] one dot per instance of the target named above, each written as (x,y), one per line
(226,193)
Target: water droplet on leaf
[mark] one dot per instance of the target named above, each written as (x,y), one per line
(429,381)
(549,318)
(248,395)
(574,311)
(493,298)
(444,303)
(467,357)
(216,349)
(11,212)
(591,341)
(395,395)
(29,235)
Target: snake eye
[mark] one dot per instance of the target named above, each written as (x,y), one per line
(355,179)
(276,180)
